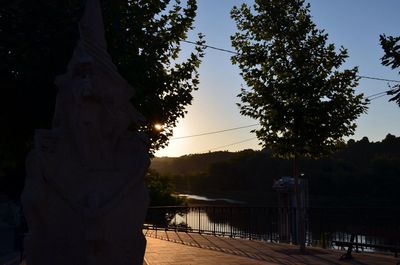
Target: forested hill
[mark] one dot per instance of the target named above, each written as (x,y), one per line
(363,172)
(192,164)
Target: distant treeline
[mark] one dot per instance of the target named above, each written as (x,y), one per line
(363,173)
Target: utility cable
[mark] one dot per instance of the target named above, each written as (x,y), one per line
(216,148)
(236,53)
(210,47)
(368,98)
(215,132)
(379,79)
(376,97)
(379,95)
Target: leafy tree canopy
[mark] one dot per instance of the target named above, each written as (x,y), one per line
(37,40)
(303,100)
(391,47)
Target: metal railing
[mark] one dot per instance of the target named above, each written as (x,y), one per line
(245,222)
(372,227)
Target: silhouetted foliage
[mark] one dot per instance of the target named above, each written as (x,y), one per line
(160,190)
(391,47)
(303,102)
(37,40)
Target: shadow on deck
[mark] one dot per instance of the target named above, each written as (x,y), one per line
(169,247)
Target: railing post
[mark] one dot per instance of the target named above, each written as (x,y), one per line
(250,215)
(175,224)
(231,222)
(272,227)
(199,221)
(214,220)
(186,217)
(357,243)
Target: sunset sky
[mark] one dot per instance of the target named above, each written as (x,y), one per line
(354,24)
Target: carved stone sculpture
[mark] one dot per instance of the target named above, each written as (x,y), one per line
(84,197)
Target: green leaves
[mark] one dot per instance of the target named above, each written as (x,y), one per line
(304,104)
(391,47)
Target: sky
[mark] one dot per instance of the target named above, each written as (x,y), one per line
(354,24)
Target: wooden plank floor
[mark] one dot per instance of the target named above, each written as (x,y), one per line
(179,248)
(167,248)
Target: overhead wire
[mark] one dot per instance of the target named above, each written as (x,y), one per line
(236,53)
(369,98)
(210,47)
(378,95)
(215,132)
(220,147)
(379,79)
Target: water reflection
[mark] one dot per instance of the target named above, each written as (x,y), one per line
(203,198)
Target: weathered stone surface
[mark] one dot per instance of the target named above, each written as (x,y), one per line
(84,197)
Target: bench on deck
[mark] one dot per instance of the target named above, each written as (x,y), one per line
(395,248)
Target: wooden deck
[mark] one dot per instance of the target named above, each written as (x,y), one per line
(180,248)
(167,248)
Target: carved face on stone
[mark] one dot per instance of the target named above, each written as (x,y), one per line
(85,111)
(94,122)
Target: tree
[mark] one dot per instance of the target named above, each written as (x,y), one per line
(391,47)
(161,190)
(303,102)
(143,37)
(161,194)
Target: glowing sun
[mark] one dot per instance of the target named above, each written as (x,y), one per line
(158,127)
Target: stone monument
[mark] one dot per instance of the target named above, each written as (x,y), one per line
(84,198)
